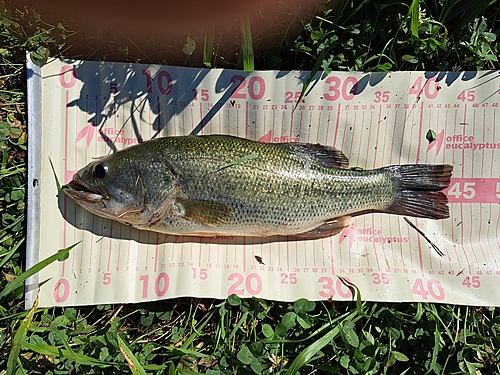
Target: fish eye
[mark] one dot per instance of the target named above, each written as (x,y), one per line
(100,170)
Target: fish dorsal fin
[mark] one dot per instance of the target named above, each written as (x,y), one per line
(329,228)
(203,211)
(325,155)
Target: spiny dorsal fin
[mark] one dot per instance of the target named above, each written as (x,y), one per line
(326,155)
(202,211)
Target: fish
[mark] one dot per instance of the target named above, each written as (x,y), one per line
(220,185)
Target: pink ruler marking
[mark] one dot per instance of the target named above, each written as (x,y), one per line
(373,166)
(244,254)
(419,244)
(158,116)
(491,175)
(110,248)
(328,124)
(247,122)
(65,202)
(337,121)
(462,240)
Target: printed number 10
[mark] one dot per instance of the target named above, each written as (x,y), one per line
(160,79)
(161,285)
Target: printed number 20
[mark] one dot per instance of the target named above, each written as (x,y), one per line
(253,284)
(255,95)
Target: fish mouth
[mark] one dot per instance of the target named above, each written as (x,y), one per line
(82,192)
(95,200)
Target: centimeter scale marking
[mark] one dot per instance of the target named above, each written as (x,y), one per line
(395,134)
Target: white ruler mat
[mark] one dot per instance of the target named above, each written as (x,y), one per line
(376,119)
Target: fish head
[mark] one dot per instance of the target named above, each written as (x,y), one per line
(122,187)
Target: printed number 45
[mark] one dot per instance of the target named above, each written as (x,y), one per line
(468,191)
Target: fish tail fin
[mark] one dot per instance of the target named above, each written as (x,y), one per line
(418,190)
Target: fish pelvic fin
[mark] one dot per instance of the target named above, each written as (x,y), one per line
(329,228)
(202,211)
(417,190)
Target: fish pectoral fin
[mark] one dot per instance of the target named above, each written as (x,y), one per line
(204,212)
(329,228)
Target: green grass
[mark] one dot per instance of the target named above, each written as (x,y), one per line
(252,336)
(249,336)
(385,35)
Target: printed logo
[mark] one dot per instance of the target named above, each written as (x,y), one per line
(368,235)
(460,142)
(438,142)
(467,142)
(87,132)
(268,138)
(372,235)
(107,135)
(350,233)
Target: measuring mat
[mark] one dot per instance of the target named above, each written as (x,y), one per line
(82,110)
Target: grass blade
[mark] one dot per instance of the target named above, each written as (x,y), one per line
(246,45)
(307,354)
(354,291)
(193,336)
(55,175)
(19,338)
(239,161)
(133,362)
(208,47)
(311,76)
(182,351)
(19,280)
(11,252)
(414,13)
(82,359)
(186,372)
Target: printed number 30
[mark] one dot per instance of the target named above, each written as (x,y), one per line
(329,289)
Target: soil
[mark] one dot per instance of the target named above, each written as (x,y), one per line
(156,31)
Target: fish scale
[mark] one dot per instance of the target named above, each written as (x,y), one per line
(222,185)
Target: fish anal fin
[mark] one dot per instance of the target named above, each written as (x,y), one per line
(203,211)
(325,155)
(329,228)
(425,204)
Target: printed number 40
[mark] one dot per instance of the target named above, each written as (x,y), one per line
(434,288)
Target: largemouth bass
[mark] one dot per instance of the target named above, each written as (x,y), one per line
(222,185)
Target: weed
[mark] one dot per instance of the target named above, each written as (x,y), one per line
(408,35)
(249,336)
